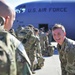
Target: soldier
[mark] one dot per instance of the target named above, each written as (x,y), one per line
(50,36)
(14,44)
(29,40)
(66,49)
(43,41)
(31,26)
(36,33)
(18,29)
(38,49)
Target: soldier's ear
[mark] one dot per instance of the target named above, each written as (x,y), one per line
(65,33)
(6,20)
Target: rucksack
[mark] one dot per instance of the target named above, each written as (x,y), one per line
(6,58)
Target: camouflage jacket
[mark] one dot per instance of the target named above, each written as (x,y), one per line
(67,55)
(43,40)
(13,45)
(5,38)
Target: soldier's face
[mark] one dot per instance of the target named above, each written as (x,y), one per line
(58,35)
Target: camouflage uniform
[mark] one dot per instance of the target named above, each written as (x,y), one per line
(67,57)
(29,42)
(18,30)
(6,42)
(13,45)
(22,37)
(50,36)
(39,53)
(43,41)
(32,51)
(50,50)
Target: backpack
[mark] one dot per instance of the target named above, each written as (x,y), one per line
(6,58)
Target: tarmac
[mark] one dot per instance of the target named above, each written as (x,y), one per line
(51,65)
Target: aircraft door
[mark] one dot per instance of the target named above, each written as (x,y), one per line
(45,26)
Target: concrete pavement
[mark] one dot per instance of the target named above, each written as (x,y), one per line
(51,66)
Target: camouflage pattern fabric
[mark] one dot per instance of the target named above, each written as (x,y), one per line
(30,48)
(39,53)
(50,36)
(32,45)
(38,46)
(40,62)
(50,50)
(11,68)
(43,41)
(28,40)
(23,67)
(70,74)
(9,45)
(67,57)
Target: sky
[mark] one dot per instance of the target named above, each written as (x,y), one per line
(14,3)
